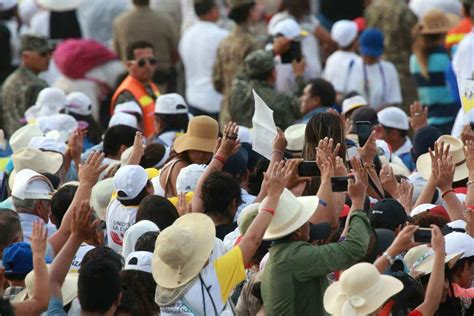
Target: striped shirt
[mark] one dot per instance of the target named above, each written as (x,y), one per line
(435,92)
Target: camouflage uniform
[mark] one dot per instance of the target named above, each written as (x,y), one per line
(241,106)
(396,21)
(20,89)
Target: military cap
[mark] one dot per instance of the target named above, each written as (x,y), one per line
(36,44)
(234,4)
(259,62)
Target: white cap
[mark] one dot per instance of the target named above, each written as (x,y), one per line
(101,195)
(458,224)
(30,185)
(188,178)
(295,137)
(50,101)
(171,103)
(290,29)
(139,260)
(6,5)
(128,107)
(421,209)
(344,32)
(121,118)
(456,242)
(22,136)
(134,232)
(352,103)
(78,103)
(394,117)
(129,181)
(63,124)
(47,143)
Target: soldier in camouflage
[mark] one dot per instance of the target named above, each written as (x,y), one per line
(396,21)
(21,88)
(233,49)
(259,75)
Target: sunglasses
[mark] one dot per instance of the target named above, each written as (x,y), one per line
(142,61)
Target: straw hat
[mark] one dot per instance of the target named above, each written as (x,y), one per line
(436,22)
(295,137)
(22,136)
(421,259)
(36,160)
(291,213)
(182,250)
(201,135)
(101,195)
(423,164)
(246,217)
(68,290)
(360,291)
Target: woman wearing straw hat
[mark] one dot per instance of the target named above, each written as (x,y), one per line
(429,65)
(191,277)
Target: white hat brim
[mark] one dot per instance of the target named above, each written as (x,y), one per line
(423,165)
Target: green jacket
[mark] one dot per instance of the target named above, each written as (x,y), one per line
(295,276)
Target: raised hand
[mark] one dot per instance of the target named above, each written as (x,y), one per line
(467,133)
(91,169)
(81,225)
(403,241)
(445,173)
(369,151)
(437,240)
(469,154)
(418,116)
(326,148)
(388,180)
(276,179)
(39,238)
(279,143)
(405,195)
(325,166)
(75,145)
(230,144)
(340,168)
(138,150)
(292,170)
(357,187)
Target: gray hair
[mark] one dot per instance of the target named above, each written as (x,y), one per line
(24,206)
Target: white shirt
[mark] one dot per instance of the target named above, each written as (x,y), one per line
(118,219)
(380,79)
(26,222)
(81,252)
(405,148)
(332,72)
(198,50)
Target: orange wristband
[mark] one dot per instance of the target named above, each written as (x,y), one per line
(269,210)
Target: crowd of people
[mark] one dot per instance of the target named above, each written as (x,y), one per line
(134,178)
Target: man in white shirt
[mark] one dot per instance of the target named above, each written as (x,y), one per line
(373,78)
(198,50)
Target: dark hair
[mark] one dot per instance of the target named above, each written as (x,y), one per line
(141,287)
(15,276)
(364,114)
(138,199)
(54,179)
(423,47)
(240,14)
(158,210)
(103,253)
(219,190)
(99,286)
(426,219)
(323,89)
(117,136)
(9,226)
(6,308)
(401,132)
(202,7)
(94,130)
(298,8)
(130,51)
(141,3)
(256,178)
(461,263)
(410,297)
(174,122)
(60,202)
(128,304)
(146,242)
(153,154)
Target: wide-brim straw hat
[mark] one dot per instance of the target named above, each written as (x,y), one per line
(291,213)
(36,160)
(421,259)
(68,290)
(436,22)
(182,250)
(360,291)
(201,135)
(294,135)
(59,5)
(423,164)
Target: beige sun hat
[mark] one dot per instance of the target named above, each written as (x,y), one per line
(182,250)
(246,217)
(22,136)
(201,135)
(36,160)
(291,213)
(101,195)
(295,137)
(436,22)
(360,291)
(68,290)
(423,164)
(421,259)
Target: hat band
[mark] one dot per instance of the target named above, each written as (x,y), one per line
(460,163)
(351,303)
(280,229)
(422,259)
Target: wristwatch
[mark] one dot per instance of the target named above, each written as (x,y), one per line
(390,259)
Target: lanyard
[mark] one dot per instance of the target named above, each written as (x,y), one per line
(366,83)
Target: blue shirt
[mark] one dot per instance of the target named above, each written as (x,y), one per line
(55,307)
(312,113)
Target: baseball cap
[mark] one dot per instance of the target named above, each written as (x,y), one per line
(371,42)
(129,107)
(424,139)
(456,242)
(424,207)
(290,29)
(129,181)
(394,117)
(62,124)
(171,103)
(237,163)
(78,103)
(139,260)
(30,185)
(353,103)
(121,118)
(18,258)
(35,43)
(50,101)
(47,143)
(344,32)
(387,213)
(188,178)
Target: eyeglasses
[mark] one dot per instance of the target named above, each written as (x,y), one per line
(142,61)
